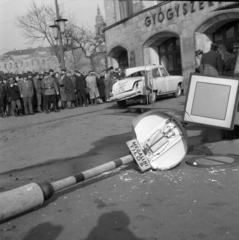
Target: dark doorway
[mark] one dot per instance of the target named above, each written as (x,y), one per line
(123,59)
(170,56)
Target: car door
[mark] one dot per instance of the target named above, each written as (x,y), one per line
(159,82)
(169,81)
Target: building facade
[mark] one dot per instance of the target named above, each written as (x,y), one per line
(35,60)
(168,32)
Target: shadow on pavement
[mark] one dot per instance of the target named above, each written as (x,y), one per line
(112,226)
(102,151)
(44,231)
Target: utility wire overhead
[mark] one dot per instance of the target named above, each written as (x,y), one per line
(8,3)
(8,20)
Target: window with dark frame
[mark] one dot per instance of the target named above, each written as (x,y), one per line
(170,56)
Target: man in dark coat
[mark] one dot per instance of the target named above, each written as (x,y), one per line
(211,62)
(101,85)
(69,89)
(38,90)
(14,98)
(80,88)
(26,92)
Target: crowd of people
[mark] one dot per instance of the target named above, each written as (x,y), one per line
(30,93)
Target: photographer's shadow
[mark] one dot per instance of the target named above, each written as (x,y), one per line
(113,225)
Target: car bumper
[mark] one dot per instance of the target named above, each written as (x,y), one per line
(126,95)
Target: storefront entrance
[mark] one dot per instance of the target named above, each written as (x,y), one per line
(170,56)
(164,48)
(123,59)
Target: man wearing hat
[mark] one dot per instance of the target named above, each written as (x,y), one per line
(80,88)
(211,62)
(50,89)
(26,92)
(69,89)
(14,98)
(7,88)
(38,91)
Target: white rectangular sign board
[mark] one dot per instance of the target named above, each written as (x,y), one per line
(138,155)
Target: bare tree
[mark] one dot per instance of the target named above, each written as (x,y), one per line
(35,25)
(86,40)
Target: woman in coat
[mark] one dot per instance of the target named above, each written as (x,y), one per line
(93,89)
(69,89)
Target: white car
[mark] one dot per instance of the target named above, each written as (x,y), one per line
(146,83)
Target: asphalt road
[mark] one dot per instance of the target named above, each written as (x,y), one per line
(183,203)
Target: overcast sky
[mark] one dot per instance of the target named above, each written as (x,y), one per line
(11,37)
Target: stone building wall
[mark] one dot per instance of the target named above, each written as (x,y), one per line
(189,21)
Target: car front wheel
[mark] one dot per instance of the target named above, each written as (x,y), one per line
(121,103)
(179,91)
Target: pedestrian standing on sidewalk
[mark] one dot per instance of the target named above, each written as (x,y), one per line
(93,89)
(14,98)
(5,101)
(112,80)
(69,89)
(62,88)
(87,89)
(107,84)
(50,90)
(211,62)
(19,80)
(38,90)
(7,86)
(56,77)
(26,93)
(101,85)
(80,88)
(73,79)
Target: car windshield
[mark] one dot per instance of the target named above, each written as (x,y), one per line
(137,74)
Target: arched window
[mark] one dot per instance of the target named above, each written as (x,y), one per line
(227,35)
(170,55)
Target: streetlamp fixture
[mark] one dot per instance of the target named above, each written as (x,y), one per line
(58,29)
(62,23)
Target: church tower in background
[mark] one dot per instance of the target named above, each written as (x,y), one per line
(100,23)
